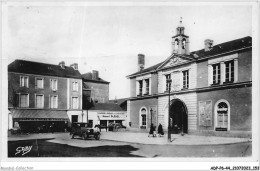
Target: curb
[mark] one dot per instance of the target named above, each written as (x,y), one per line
(178,143)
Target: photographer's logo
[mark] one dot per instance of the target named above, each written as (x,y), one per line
(23,150)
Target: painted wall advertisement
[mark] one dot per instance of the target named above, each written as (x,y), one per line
(205,113)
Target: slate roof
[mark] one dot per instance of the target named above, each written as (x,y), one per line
(216,50)
(225,47)
(119,101)
(106,107)
(89,77)
(85,86)
(149,69)
(37,68)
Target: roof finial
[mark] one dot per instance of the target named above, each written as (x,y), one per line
(181,20)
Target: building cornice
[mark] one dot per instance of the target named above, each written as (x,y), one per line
(196,90)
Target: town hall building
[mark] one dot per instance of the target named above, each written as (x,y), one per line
(209,90)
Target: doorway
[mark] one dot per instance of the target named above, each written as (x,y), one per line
(178,117)
(74,118)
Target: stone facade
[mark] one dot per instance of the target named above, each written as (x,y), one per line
(210,89)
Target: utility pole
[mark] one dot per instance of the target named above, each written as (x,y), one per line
(169,122)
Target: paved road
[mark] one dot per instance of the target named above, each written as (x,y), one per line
(63,146)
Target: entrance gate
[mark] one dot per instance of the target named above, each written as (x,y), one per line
(178,117)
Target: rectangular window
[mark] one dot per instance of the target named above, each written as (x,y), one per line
(53,101)
(24,100)
(39,83)
(168,85)
(140,87)
(147,85)
(75,102)
(39,101)
(185,79)
(24,81)
(229,71)
(54,84)
(75,86)
(216,73)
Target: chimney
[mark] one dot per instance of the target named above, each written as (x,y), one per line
(208,45)
(115,101)
(95,75)
(74,66)
(62,64)
(140,62)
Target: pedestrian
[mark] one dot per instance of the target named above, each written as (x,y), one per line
(160,130)
(66,126)
(152,131)
(52,128)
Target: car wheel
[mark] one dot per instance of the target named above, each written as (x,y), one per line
(97,137)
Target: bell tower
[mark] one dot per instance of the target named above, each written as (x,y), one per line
(180,42)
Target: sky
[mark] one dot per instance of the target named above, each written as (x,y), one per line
(109,38)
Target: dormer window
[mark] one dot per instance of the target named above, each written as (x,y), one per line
(62,64)
(74,66)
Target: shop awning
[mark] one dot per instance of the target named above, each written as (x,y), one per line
(39,115)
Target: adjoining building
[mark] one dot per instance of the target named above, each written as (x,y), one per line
(96,107)
(41,94)
(192,92)
(105,113)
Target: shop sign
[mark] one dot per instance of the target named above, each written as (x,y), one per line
(111,115)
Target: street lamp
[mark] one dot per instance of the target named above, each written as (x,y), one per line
(169,81)
(151,111)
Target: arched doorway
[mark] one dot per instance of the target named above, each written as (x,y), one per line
(178,117)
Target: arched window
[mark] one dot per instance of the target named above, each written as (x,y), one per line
(183,43)
(222,115)
(143,117)
(176,44)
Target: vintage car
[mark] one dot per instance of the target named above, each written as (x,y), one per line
(84,130)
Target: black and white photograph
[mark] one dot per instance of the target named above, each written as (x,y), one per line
(106,85)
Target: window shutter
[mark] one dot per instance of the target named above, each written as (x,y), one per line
(137,88)
(163,83)
(180,75)
(210,75)
(150,85)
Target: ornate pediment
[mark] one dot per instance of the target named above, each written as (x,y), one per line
(175,60)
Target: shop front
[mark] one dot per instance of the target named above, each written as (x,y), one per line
(39,121)
(105,118)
